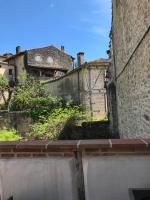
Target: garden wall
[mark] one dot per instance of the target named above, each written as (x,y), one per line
(15,120)
(85,86)
(73,170)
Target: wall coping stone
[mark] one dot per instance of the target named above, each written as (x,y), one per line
(70,147)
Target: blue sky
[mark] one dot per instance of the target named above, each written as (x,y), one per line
(79,25)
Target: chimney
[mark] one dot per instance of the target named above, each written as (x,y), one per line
(18,49)
(80,58)
(62,48)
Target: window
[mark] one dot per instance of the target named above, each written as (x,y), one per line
(10,72)
(38,58)
(139,194)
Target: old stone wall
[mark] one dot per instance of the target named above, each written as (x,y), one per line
(18,121)
(85,86)
(8,71)
(131,44)
(20,66)
(4,71)
(50,57)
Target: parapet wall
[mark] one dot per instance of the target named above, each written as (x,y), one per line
(73,170)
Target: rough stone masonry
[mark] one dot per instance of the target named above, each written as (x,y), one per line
(131,60)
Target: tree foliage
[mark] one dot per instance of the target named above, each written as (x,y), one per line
(50,114)
(5,90)
(52,126)
(26,94)
(9,135)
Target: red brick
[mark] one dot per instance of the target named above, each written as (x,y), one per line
(34,144)
(23,155)
(7,155)
(8,145)
(127,143)
(62,145)
(94,144)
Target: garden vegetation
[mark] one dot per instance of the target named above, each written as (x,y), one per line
(50,114)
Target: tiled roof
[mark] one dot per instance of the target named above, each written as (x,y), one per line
(52,47)
(99,60)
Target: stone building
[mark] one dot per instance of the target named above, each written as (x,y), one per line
(3,57)
(84,86)
(128,76)
(7,71)
(45,63)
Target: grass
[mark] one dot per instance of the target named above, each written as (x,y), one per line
(9,135)
(96,119)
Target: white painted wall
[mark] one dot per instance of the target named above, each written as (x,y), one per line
(110,177)
(54,178)
(38,179)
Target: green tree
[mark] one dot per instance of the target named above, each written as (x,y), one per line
(25,94)
(5,90)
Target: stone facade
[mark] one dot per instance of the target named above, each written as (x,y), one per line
(131,61)
(9,73)
(44,63)
(3,57)
(18,61)
(50,57)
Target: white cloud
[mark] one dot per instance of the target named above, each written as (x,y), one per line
(94,30)
(101,6)
(97,30)
(52,5)
(99,12)
(87,20)
(95,22)
(96,12)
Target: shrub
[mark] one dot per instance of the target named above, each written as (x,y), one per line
(52,126)
(9,135)
(50,114)
(25,94)
(41,106)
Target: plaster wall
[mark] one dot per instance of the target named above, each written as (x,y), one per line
(111,177)
(38,178)
(19,63)
(4,70)
(55,177)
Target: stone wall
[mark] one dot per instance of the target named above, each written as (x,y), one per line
(131,45)
(18,121)
(9,73)
(73,170)
(4,71)
(18,61)
(85,86)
